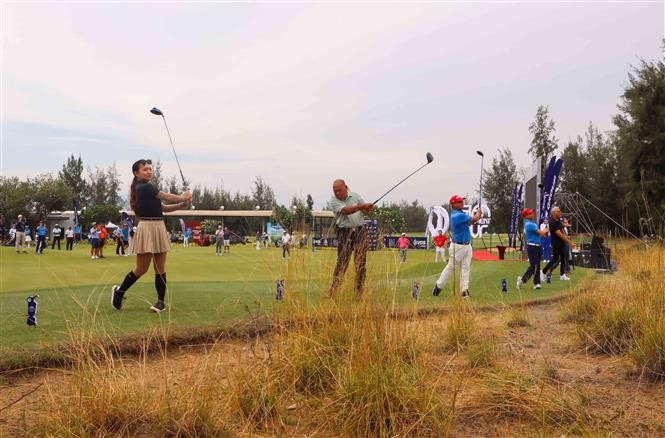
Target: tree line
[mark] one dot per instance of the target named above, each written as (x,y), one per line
(619,174)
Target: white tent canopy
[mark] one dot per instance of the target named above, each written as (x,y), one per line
(111,225)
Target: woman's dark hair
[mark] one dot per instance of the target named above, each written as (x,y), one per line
(132,189)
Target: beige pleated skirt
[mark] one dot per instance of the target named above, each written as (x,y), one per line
(151,238)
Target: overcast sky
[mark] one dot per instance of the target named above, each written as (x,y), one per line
(301,94)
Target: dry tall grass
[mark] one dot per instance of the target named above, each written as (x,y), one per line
(332,366)
(625,313)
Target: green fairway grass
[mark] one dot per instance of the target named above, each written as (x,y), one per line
(204,289)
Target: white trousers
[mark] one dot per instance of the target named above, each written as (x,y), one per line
(460,259)
(441,251)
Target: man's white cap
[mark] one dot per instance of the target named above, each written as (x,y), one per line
(403,234)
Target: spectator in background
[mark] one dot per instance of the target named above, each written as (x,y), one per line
(286,243)
(440,246)
(103,235)
(28,235)
(125,236)
(41,238)
(19,234)
(227,240)
(56,234)
(93,238)
(403,244)
(12,234)
(69,236)
(77,233)
(120,243)
(185,237)
(219,240)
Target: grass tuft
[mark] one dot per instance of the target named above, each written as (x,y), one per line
(510,393)
(625,314)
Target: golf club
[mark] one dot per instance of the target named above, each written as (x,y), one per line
(429,157)
(480,190)
(158,112)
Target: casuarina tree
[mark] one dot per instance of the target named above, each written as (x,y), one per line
(543,141)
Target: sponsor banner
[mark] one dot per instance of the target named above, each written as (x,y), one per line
(76,212)
(372,228)
(325,242)
(414,242)
(515,215)
(478,229)
(275,231)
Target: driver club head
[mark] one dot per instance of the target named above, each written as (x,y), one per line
(430,157)
(480,153)
(156,111)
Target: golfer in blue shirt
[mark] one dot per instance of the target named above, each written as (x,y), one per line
(533,249)
(460,250)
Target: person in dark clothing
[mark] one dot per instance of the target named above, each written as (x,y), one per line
(151,241)
(559,242)
(533,249)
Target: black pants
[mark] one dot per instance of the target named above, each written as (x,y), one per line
(350,241)
(55,240)
(535,253)
(559,255)
(286,248)
(120,247)
(70,244)
(41,244)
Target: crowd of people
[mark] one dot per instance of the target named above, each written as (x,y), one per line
(23,236)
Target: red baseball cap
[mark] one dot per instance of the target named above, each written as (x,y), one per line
(455,199)
(526,212)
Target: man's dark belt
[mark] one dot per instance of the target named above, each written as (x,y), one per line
(461,243)
(152,218)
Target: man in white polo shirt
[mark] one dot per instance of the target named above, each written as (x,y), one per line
(349,209)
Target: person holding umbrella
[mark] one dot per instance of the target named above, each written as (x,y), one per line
(151,242)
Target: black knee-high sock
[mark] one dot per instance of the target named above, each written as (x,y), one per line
(130,279)
(160,285)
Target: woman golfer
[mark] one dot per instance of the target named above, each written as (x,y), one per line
(151,242)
